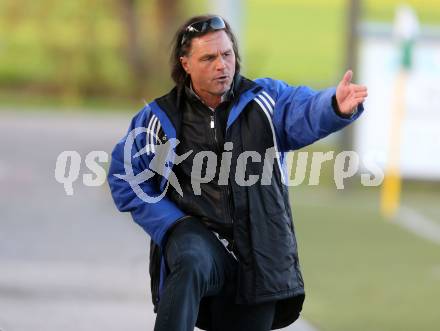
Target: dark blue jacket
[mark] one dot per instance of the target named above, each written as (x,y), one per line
(269,116)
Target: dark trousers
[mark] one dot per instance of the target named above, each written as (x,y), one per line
(201,267)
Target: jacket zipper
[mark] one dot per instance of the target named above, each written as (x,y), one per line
(224,190)
(212,124)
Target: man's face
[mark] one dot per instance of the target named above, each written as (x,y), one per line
(210,63)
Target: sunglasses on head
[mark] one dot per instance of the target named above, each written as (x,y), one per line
(200,27)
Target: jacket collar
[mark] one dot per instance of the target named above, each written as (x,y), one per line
(172,102)
(191,94)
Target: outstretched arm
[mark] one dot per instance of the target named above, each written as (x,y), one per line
(302,115)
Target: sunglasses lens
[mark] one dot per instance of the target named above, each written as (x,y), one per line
(197,27)
(217,23)
(214,23)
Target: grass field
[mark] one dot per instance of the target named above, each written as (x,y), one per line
(363,272)
(300,42)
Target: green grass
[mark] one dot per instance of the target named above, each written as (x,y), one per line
(300,42)
(361,271)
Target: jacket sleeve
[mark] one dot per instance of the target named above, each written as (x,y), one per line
(301,115)
(155,218)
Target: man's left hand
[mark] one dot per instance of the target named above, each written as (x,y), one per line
(349,95)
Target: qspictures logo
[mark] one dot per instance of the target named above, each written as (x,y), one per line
(161,157)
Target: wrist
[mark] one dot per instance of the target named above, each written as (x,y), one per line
(338,112)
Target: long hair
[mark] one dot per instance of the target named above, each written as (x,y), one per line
(178,74)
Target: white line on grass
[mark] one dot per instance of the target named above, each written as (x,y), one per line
(418,224)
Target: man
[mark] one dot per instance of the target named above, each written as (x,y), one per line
(204,176)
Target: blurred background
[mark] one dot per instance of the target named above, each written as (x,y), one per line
(73,73)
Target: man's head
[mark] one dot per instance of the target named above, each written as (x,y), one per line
(206,50)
